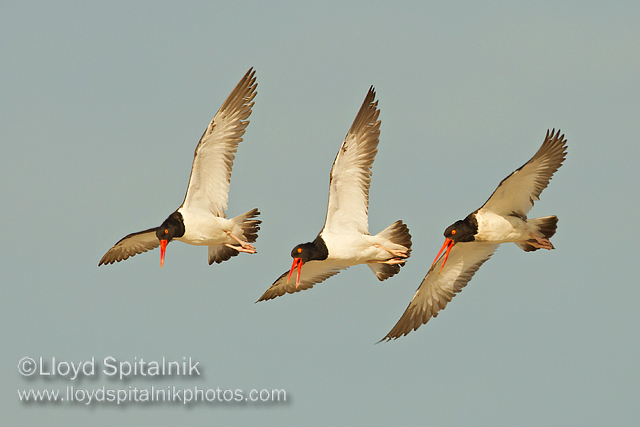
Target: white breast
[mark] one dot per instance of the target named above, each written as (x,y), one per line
(205,229)
(494,228)
(355,248)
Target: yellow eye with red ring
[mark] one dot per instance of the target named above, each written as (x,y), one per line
(453,232)
(299,250)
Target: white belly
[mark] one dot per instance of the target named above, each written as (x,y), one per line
(355,248)
(493,228)
(205,229)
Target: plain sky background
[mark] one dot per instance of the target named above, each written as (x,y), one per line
(102,105)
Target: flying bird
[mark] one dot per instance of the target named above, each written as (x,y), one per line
(472,241)
(201,219)
(345,240)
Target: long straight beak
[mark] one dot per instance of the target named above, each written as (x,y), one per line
(163,248)
(448,243)
(297,262)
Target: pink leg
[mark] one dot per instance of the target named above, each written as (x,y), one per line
(395,252)
(245,247)
(241,249)
(540,242)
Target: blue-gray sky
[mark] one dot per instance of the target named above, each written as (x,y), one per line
(103,105)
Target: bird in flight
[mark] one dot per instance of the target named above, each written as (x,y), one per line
(345,240)
(471,241)
(201,219)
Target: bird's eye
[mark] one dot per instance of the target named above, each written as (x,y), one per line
(166,231)
(453,232)
(299,250)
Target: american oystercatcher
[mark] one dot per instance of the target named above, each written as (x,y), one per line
(345,240)
(201,220)
(472,241)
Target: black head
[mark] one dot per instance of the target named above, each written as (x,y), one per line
(312,251)
(171,228)
(463,230)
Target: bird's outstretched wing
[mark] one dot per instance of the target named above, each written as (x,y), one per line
(350,176)
(439,287)
(312,272)
(517,192)
(133,244)
(213,159)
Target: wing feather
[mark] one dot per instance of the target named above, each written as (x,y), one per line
(438,289)
(133,244)
(312,272)
(517,192)
(350,176)
(208,187)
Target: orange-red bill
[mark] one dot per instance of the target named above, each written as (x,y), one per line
(163,248)
(448,243)
(297,262)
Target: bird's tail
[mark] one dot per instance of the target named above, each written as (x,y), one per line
(397,233)
(249,228)
(544,226)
